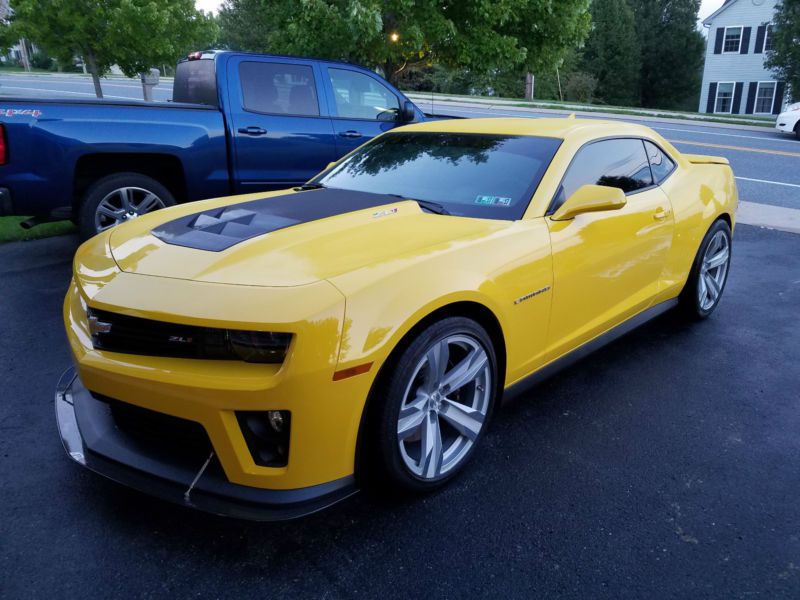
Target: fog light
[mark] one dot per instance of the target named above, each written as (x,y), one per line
(266,434)
(276,420)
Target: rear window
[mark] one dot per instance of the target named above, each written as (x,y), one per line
(279,88)
(195,82)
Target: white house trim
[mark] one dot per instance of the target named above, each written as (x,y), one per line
(772,101)
(716,98)
(725,39)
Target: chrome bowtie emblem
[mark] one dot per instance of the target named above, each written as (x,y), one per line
(97,326)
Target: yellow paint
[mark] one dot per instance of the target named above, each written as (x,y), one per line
(350,287)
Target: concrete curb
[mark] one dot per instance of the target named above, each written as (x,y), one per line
(771,217)
(442,104)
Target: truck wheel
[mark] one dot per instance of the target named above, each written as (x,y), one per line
(119,198)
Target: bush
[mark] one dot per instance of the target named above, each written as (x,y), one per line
(40,60)
(579,87)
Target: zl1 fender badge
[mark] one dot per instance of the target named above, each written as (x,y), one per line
(384,213)
(531,295)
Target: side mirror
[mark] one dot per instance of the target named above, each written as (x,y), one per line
(408,113)
(590,198)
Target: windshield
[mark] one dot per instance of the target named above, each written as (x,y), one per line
(471,175)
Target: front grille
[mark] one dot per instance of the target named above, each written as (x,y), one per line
(134,335)
(159,432)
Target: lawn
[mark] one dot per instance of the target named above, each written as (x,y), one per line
(10,231)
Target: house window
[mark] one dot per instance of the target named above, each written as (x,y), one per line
(765,97)
(768,39)
(724,103)
(733,39)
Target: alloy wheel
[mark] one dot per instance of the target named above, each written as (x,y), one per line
(713,270)
(124,204)
(445,406)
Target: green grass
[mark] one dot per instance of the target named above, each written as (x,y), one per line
(10,231)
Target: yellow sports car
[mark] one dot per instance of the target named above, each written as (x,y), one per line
(261,355)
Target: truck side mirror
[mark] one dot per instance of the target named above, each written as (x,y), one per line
(409,112)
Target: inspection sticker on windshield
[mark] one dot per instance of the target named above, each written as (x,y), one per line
(493,201)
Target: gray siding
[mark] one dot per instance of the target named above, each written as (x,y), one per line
(738,68)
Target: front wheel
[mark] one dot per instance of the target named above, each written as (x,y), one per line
(709,273)
(437,403)
(118,198)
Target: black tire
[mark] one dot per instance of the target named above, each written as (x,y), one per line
(102,188)
(689,299)
(391,394)
(797,131)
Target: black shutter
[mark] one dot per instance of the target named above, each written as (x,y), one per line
(737,97)
(712,97)
(760,32)
(751,98)
(745,40)
(776,108)
(719,40)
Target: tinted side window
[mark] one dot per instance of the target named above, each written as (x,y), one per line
(615,163)
(661,164)
(360,96)
(279,88)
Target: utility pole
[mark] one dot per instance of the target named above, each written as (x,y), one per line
(529,86)
(23,54)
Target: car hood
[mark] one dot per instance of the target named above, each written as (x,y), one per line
(184,242)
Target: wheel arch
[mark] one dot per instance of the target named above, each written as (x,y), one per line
(478,312)
(167,169)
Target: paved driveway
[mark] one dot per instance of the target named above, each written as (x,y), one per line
(666,465)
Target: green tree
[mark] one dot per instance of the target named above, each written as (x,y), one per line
(133,34)
(612,53)
(784,58)
(478,36)
(671,52)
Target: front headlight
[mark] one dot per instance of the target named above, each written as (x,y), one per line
(792,107)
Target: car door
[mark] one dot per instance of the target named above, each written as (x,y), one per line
(361,107)
(607,266)
(281,133)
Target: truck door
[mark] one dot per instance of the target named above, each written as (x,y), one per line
(361,106)
(281,133)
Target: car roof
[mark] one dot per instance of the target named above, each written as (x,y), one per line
(556,128)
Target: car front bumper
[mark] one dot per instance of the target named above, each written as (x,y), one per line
(786,122)
(91,439)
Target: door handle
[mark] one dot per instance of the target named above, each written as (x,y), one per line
(661,214)
(350,134)
(252,130)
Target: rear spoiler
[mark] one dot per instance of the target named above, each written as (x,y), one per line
(700,159)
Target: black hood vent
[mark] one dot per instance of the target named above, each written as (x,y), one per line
(219,229)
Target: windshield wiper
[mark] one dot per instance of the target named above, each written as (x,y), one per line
(309,186)
(433,207)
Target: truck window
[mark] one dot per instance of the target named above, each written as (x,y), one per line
(360,96)
(195,82)
(278,88)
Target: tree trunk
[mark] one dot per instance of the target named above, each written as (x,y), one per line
(95,75)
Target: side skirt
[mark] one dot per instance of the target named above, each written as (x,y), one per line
(521,386)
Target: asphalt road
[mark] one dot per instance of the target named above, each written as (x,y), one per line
(664,466)
(766,163)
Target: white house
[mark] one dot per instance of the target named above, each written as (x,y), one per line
(734,78)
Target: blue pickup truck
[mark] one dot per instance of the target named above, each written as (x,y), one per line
(237,123)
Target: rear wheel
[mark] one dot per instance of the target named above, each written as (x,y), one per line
(436,404)
(709,273)
(797,130)
(118,198)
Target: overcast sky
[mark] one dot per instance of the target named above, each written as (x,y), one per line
(708,6)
